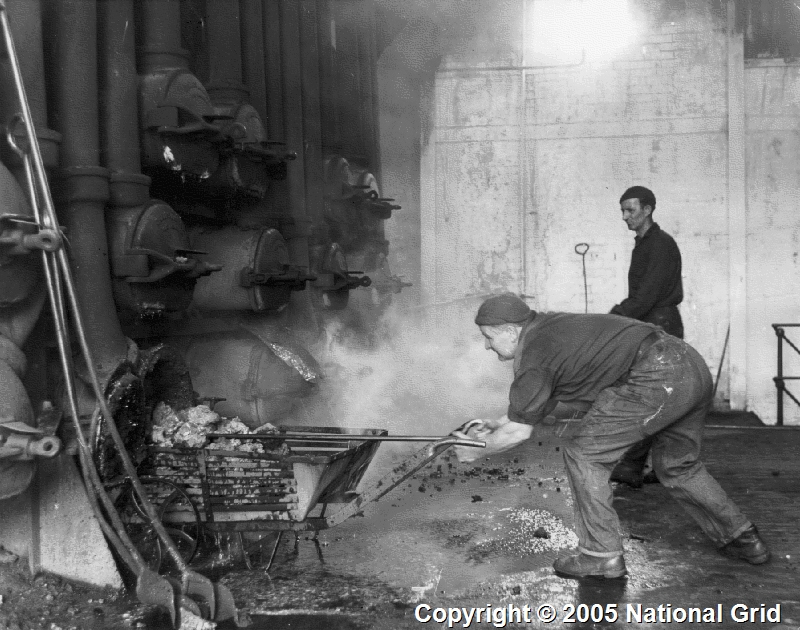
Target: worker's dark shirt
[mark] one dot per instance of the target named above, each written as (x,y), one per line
(570,358)
(654,277)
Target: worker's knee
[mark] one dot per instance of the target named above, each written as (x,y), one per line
(671,470)
(592,449)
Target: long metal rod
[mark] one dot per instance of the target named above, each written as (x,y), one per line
(116,533)
(339,437)
(759,428)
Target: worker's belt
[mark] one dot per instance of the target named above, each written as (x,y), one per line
(646,344)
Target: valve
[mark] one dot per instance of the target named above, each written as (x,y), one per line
(21,442)
(294,277)
(23,235)
(379,207)
(181,263)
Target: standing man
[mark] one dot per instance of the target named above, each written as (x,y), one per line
(654,277)
(654,292)
(640,382)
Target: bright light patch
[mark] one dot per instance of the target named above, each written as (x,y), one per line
(570,31)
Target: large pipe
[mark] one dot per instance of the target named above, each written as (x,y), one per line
(71,52)
(253,62)
(367,54)
(312,122)
(224,50)
(119,120)
(291,69)
(284,120)
(272,68)
(161,30)
(119,127)
(329,109)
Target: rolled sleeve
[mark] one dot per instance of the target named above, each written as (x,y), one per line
(530,395)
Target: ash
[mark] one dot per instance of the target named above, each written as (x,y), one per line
(533,531)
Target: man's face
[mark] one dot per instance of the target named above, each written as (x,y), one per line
(634,215)
(502,339)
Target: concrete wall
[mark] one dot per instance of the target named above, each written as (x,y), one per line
(530,146)
(772,92)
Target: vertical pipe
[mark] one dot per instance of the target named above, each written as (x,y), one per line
(253,62)
(348,85)
(224,48)
(291,70)
(72,58)
(737,213)
(272,69)
(119,129)
(326,31)
(119,117)
(312,124)
(161,35)
(367,62)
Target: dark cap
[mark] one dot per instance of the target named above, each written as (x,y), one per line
(644,195)
(506,308)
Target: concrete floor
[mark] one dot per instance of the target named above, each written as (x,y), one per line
(462,536)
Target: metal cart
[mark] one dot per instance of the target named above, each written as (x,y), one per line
(233,491)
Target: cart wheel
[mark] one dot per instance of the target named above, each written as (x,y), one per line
(176,511)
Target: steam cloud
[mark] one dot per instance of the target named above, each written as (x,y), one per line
(424,372)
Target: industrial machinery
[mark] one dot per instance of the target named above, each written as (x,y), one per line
(189,190)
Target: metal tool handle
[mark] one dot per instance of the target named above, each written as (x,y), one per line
(397,476)
(342,437)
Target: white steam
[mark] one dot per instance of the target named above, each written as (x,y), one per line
(423,372)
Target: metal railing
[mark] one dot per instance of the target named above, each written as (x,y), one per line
(780,379)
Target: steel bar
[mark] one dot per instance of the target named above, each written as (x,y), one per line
(338,437)
(766,426)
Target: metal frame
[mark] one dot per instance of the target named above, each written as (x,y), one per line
(780,378)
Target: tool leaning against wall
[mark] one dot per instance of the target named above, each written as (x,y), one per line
(582,249)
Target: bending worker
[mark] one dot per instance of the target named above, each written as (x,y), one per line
(654,291)
(640,382)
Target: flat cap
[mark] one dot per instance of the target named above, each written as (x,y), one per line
(506,308)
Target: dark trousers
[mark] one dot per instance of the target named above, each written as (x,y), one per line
(665,397)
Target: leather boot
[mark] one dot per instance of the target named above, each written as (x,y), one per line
(747,546)
(582,565)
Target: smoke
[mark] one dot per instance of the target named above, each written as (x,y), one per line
(420,372)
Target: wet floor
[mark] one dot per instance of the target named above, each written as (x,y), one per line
(485,536)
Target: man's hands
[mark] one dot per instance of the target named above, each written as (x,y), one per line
(499,434)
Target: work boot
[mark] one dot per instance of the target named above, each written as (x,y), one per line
(747,546)
(625,473)
(582,565)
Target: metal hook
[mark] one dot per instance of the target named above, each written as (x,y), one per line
(13,137)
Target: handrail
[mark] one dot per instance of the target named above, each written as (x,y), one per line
(780,379)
